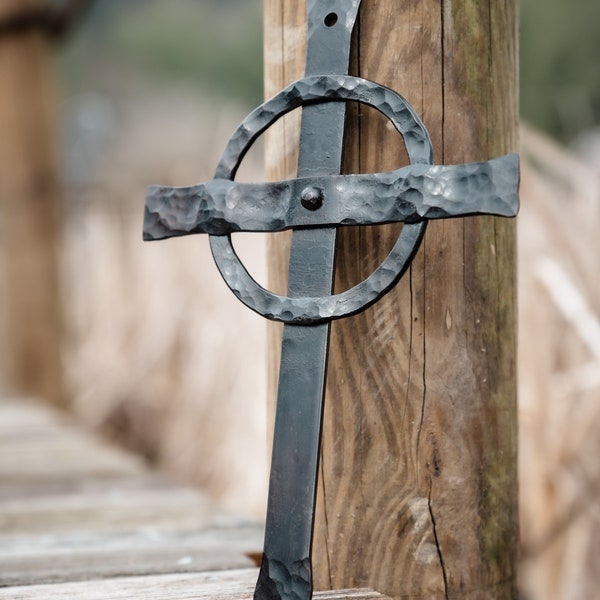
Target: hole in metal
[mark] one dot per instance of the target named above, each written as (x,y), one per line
(331,19)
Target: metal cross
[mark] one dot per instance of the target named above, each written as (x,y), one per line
(313,205)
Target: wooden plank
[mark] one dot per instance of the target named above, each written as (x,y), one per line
(32,488)
(78,556)
(112,509)
(74,508)
(419,450)
(221,585)
(43,447)
(22,415)
(60,455)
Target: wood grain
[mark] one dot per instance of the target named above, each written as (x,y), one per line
(216,585)
(418,486)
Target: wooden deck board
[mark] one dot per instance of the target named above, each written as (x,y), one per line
(78,557)
(217,585)
(74,508)
(40,445)
(81,519)
(113,510)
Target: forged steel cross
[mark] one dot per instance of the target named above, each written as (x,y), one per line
(313,205)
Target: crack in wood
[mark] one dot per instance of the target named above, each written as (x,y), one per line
(437,542)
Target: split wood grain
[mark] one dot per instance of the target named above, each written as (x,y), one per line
(418,489)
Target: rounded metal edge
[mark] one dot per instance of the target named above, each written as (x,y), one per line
(313,310)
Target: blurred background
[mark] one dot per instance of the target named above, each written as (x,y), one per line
(154,351)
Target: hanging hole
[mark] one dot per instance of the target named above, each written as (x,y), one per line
(331,19)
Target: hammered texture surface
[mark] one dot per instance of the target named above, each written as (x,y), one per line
(278,580)
(308,310)
(412,194)
(327,88)
(409,194)
(322,88)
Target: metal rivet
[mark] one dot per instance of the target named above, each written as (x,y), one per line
(312,198)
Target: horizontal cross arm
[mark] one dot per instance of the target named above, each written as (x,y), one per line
(409,194)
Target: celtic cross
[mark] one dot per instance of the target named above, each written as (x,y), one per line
(313,206)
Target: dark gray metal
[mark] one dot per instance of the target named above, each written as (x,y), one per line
(313,205)
(286,569)
(409,194)
(306,308)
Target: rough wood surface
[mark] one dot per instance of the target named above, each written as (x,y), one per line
(74,508)
(221,585)
(30,314)
(418,494)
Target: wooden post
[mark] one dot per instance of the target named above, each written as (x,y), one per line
(418,490)
(30,322)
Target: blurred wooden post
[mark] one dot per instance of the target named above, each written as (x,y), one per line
(30,317)
(418,490)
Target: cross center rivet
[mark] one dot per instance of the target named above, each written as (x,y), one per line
(312,198)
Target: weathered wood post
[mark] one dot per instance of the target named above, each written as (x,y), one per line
(30,319)
(418,490)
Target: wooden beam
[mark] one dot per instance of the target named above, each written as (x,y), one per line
(30,322)
(418,490)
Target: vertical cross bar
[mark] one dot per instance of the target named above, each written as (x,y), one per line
(286,568)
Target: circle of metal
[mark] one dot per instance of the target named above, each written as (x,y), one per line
(312,90)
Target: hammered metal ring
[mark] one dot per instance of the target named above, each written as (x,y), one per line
(314,90)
